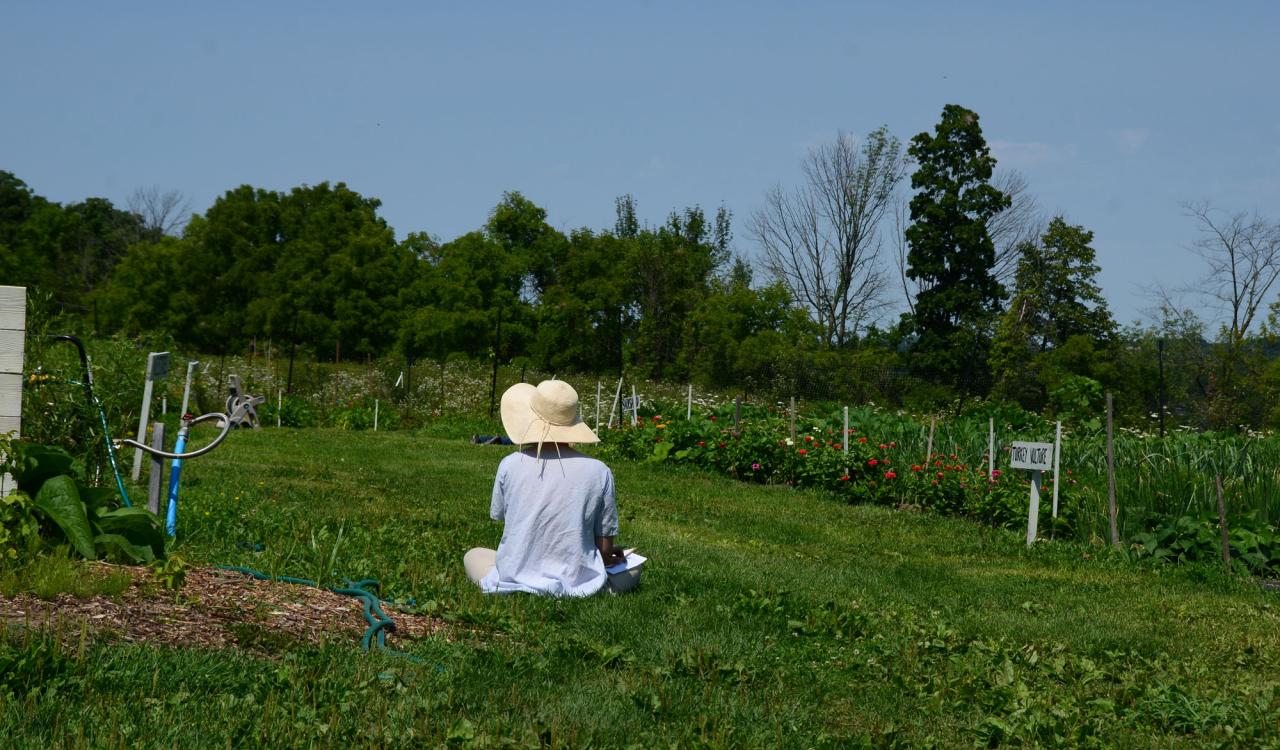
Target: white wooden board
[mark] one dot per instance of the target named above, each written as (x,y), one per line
(13,308)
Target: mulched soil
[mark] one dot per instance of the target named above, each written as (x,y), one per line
(214,609)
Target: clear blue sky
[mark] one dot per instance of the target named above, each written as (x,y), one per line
(1114,112)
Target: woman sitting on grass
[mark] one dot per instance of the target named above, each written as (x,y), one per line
(557,505)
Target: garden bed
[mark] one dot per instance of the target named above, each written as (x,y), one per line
(215,609)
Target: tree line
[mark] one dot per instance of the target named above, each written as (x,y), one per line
(921,264)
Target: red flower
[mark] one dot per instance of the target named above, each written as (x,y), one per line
(872,462)
(702,444)
(862,440)
(722,445)
(939,475)
(657,417)
(883,446)
(713,417)
(808,438)
(803,452)
(916,467)
(890,475)
(838,446)
(844,478)
(892,444)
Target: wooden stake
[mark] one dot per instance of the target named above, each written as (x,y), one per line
(991,447)
(1057,466)
(1222,523)
(1033,509)
(928,451)
(157,469)
(844,439)
(1111,477)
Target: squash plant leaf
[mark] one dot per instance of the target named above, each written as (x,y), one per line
(59,499)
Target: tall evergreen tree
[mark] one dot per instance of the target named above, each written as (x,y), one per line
(951,253)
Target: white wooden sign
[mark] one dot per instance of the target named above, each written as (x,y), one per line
(1037,458)
(13,327)
(157,367)
(1031,456)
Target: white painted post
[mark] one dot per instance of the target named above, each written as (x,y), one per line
(635,408)
(928,451)
(688,411)
(617,396)
(991,447)
(597,405)
(375,415)
(164,405)
(1033,511)
(1057,466)
(186,389)
(13,334)
(279,404)
(844,440)
(157,367)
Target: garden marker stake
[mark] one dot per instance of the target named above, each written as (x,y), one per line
(1111,477)
(186,389)
(157,367)
(991,447)
(1057,466)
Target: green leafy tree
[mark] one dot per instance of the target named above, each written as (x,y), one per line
(951,254)
(670,271)
(1056,299)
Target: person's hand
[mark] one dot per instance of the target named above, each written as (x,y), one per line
(614,557)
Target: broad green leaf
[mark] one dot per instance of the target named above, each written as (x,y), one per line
(98,497)
(138,525)
(116,547)
(37,463)
(59,499)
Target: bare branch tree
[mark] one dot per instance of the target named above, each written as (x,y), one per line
(1020,223)
(1243,254)
(822,240)
(163,212)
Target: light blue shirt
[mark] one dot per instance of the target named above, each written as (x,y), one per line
(552,508)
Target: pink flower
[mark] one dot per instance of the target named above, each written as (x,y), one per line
(995,473)
(755,467)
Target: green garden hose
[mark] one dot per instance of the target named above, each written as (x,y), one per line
(379,621)
(102,415)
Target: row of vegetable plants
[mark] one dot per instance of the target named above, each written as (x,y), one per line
(1163,484)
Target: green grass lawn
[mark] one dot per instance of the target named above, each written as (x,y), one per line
(767,617)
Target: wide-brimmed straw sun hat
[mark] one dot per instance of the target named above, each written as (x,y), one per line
(547,413)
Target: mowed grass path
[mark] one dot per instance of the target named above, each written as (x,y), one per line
(767,617)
